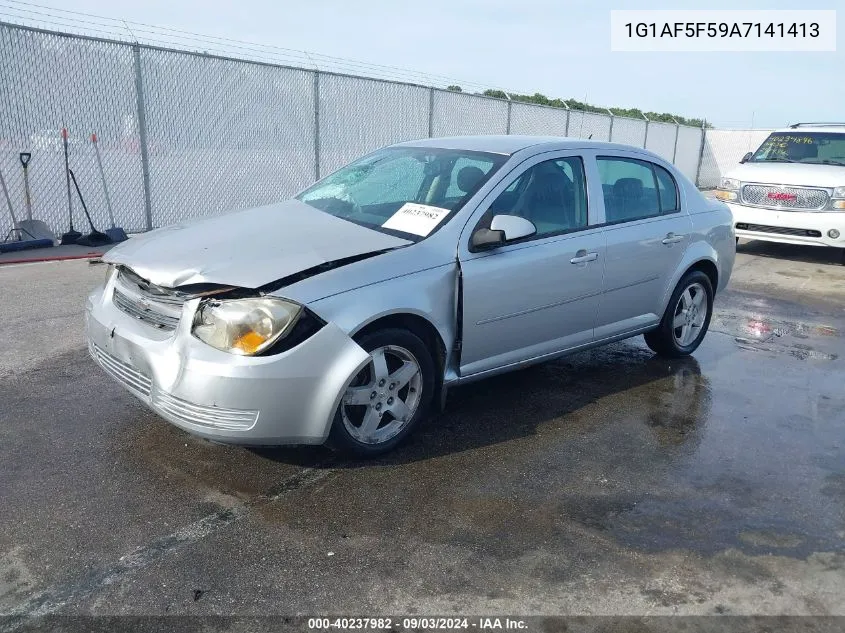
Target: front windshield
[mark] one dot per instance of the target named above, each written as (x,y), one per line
(816,148)
(403,191)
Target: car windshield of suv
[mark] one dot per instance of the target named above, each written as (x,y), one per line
(404,191)
(817,148)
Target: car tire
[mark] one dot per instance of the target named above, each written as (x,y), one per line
(685,320)
(373,402)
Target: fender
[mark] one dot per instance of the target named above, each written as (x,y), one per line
(433,299)
(696,252)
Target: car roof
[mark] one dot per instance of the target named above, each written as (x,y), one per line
(511,143)
(809,127)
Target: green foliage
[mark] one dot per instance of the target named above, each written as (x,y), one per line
(574,104)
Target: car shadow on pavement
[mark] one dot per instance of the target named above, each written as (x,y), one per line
(792,252)
(670,396)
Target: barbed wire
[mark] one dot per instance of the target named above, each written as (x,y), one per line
(31,14)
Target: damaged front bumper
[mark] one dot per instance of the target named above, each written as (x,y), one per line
(288,398)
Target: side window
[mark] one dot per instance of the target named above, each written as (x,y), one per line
(667,189)
(551,194)
(630,189)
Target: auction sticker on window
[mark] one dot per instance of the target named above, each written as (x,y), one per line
(419,219)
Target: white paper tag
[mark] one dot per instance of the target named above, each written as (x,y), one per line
(419,219)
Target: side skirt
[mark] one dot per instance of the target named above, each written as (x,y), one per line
(452,378)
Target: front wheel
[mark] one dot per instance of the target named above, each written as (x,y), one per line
(387,398)
(686,319)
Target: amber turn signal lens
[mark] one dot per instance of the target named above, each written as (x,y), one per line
(726,195)
(249,342)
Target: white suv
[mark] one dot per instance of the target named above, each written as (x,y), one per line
(792,189)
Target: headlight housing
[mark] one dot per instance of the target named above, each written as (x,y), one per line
(110,268)
(837,200)
(245,327)
(728,190)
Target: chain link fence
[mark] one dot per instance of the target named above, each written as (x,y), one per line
(723,150)
(184,135)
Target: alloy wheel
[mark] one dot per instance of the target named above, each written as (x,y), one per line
(690,314)
(384,395)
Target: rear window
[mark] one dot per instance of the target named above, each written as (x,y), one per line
(820,148)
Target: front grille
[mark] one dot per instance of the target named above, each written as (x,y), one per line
(123,373)
(151,304)
(200,415)
(776,197)
(780,230)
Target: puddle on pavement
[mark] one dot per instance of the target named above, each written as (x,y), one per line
(609,444)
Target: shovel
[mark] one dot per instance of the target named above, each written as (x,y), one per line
(19,244)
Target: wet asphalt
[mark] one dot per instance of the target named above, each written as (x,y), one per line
(608,482)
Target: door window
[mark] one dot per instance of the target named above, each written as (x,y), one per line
(636,189)
(551,194)
(667,190)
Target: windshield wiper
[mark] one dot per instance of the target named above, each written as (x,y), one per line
(776,160)
(831,162)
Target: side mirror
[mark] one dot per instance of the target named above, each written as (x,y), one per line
(503,229)
(746,157)
(513,226)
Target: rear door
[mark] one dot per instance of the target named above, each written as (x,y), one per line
(647,232)
(540,294)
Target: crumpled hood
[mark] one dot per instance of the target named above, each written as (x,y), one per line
(790,174)
(247,248)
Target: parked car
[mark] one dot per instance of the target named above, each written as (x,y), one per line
(344,314)
(792,189)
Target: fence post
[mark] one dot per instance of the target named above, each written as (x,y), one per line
(316,125)
(701,153)
(677,131)
(610,131)
(430,112)
(508,128)
(142,135)
(568,116)
(645,138)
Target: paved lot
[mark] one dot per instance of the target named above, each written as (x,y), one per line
(610,482)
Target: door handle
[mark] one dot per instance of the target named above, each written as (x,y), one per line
(582,257)
(671,238)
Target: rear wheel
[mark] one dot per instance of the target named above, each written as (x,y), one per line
(387,398)
(686,319)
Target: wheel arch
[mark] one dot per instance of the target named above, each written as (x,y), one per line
(708,267)
(415,323)
(699,257)
(425,330)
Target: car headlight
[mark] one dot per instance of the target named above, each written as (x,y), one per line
(729,184)
(837,200)
(244,326)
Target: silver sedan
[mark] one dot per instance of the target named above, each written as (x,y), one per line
(344,314)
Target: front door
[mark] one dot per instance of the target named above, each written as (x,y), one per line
(540,294)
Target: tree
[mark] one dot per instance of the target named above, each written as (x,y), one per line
(574,104)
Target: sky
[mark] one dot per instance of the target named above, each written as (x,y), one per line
(560,48)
